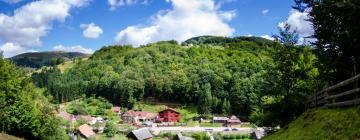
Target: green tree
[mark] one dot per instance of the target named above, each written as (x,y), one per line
(110,129)
(25,112)
(336,29)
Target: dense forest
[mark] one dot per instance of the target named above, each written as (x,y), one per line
(219,75)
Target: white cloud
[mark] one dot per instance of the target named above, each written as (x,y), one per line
(91,31)
(265,12)
(186,19)
(116,3)
(77,48)
(11,49)
(298,21)
(12,1)
(24,29)
(267,37)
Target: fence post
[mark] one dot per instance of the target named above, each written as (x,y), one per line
(326,96)
(315,101)
(356,85)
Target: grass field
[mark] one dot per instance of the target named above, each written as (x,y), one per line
(336,124)
(187,112)
(8,137)
(67,65)
(116,137)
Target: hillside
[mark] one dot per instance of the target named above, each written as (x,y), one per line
(170,72)
(8,137)
(39,59)
(339,123)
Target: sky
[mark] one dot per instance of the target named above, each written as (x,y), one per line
(87,25)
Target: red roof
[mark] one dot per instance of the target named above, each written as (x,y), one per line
(171,109)
(141,114)
(86,130)
(65,116)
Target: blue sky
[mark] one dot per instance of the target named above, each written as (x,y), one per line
(48,25)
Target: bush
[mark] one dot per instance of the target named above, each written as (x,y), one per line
(110,129)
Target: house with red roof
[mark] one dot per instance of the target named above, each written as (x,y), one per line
(169,115)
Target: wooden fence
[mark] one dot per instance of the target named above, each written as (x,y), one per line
(345,93)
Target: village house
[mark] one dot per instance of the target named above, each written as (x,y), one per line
(138,117)
(86,131)
(67,116)
(233,120)
(116,110)
(168,115)
(140,134)
(222,120)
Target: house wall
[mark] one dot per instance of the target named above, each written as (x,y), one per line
(170,116)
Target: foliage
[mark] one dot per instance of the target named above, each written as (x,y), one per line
(200,136)
(24,111)
(336,30)
(340,123)
(89,106)
(294,76)
(110,129)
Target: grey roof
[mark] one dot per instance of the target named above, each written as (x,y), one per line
(181,137)
(220,118)
(142,133)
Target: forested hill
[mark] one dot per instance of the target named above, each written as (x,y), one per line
(231,78)
(226,41)
(39,59)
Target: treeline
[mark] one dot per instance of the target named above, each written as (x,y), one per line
(40,59)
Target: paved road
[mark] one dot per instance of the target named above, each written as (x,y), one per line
(245,130)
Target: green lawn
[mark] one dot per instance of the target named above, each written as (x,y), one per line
(340,123)
(8,137)
(116,137)
(187,113)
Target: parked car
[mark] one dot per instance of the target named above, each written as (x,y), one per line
(207,129)
(226,129)
(234,129)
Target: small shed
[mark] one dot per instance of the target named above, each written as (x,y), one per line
(233,120)
(86,131)
(140,134)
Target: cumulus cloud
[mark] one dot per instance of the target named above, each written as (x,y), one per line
(267,37)
(32,21)
(186,19)
(11,49)
(265,12)
(91,31)
(116,3)
(77,48)
(298,22)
